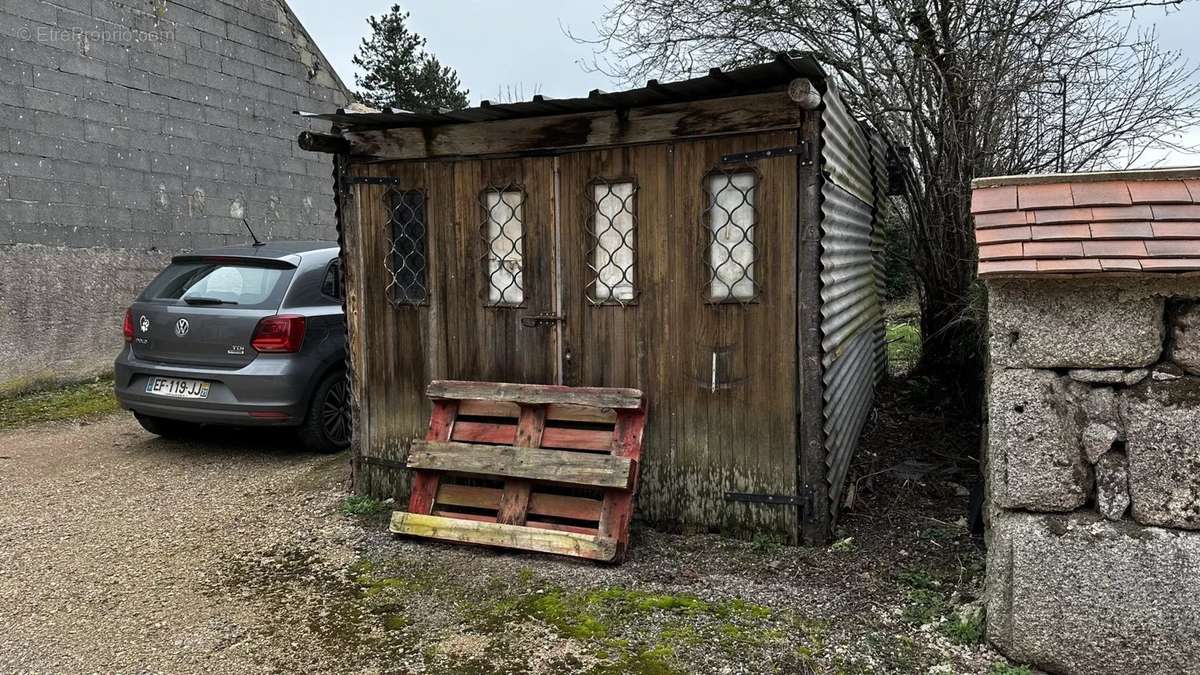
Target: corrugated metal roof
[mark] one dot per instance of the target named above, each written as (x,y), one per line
(760,78)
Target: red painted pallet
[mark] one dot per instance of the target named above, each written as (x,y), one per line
(534,467)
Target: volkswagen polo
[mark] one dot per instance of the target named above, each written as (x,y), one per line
(241,336)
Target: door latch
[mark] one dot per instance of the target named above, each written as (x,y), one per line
(543,319)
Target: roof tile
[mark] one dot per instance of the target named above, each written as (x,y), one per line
(1193,187)
(1047,196)
(1177,230)
(1080,215)
(1107,213)
(1120,265)
(1052,249)
(1176,211)
(1006,267)
(1000,251)
(996,235)
(1101,193)
(1174,247)
(988,200)
(1000,219)
(1159,192)
(1115,249)
(1051,232)
(1122,230)
(1171,264)
(1089,265)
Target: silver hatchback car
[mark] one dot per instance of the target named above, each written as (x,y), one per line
(241,336)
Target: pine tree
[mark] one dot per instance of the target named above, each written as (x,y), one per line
(399,73)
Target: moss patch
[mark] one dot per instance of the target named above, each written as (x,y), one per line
(80,401)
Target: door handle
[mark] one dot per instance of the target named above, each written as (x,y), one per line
(543,319)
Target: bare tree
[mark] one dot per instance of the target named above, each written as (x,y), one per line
(973,87)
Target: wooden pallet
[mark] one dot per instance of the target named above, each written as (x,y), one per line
(533,467)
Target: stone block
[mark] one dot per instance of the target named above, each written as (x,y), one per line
(1125,377)
(1035,460)
(1073,324)
(1185,336)
(1076,594)
(1162,429)
(1112,485)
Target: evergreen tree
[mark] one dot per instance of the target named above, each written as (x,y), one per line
(399,73)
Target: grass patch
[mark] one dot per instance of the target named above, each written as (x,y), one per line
(903,346)
(1005,669)
(927,603)
(79,401)
(359,505)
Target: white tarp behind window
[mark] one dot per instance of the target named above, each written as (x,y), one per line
(506,254)
(612,225)
(731,249)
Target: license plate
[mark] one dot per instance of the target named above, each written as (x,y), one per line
(177,388)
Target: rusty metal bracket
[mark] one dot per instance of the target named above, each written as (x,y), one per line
(545,319)
(802,148)
(804,498)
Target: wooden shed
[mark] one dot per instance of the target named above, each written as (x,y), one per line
(713,242)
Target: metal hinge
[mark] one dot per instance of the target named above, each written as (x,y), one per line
(802,149)
(374,180)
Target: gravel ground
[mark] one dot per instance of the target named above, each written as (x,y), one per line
(122,552)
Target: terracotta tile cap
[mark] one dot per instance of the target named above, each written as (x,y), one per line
(987,268)
(1052,249)
(1000,251)
(1067,232)
(1159,192)
(1115,249)
(1069,266)
(1000,219)
(1176,211)
(1177,230)
(1193,187)
(1051,196)
(1101,193)
(1122,230)
(997,235)
(1120,265)
(988,200)
(1107,213)
(1173,247)
(1171,264)
(1080,215)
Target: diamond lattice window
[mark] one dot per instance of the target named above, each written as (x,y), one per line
(730,219)
(407,260)
(504,236)
(612,227)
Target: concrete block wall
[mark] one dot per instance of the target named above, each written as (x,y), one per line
(132,129)
(1093,471)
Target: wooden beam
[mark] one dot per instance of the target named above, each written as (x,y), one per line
(669,121)
(515,502)
(314,142)
(536,394)
(499,534)
(558,466)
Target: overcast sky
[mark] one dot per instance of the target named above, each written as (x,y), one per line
(499,47)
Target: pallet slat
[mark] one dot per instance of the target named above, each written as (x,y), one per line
(558,412)
(498,534)
(536,394)
(557,466)
(540,503)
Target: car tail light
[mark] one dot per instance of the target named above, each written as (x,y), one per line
(279,334)
(127,328)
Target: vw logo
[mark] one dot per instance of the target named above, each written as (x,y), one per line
(181,327)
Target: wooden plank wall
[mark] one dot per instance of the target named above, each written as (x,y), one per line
(700,444)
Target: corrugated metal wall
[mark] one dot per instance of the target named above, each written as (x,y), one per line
(852,336)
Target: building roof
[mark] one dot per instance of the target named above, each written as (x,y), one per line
(1088,223)
(774,75)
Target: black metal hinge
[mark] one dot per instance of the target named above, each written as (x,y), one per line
(374,180)
(802,149)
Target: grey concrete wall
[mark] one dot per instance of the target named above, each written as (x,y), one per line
(130,129)
(1093,471)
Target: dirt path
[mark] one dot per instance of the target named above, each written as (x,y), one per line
(110,539)
(123,552)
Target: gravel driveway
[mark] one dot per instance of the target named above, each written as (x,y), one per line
(110,539)
(123,552)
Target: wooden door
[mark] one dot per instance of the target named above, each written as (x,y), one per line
(497,269)
(719,374)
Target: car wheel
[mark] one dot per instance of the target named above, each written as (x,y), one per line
(160,426)
(326,428)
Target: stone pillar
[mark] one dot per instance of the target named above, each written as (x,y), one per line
(1093,452)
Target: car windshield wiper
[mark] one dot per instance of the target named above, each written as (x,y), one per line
(201,300)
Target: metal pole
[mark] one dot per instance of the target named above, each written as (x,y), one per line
(1062,129)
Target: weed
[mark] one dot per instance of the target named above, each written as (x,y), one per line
(917,579)
(79,401)
(1005,669)
(964,630)
(766,544)
(924,607)
(903,346)
(358,505)
(846,545)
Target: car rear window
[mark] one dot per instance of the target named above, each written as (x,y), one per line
(220,284)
